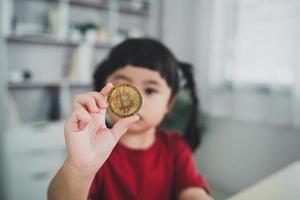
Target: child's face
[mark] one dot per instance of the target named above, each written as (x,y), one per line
(154,90)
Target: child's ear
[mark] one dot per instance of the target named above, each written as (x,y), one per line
(171,103)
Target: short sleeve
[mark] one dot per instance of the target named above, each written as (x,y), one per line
(186,173)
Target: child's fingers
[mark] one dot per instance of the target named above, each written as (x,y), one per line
(78,119)
(102,95)
(104,92)
(101,103)
(87,101)
(122,126)
(93,101)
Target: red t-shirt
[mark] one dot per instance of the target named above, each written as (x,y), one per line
(160,172)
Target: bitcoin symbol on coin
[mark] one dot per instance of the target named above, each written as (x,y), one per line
(126,102)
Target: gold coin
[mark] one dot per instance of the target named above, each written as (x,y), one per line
(124,100)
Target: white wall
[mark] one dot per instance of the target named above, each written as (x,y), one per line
(178,27)
(2,81)
(186,29)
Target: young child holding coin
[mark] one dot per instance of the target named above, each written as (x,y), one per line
(116,149)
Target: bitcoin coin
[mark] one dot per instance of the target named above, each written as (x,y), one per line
(124,100)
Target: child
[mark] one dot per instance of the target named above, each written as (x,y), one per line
(131,158)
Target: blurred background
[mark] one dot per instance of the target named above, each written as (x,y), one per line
(246,55)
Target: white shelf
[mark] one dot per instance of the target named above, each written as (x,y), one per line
(48,40)
(31,85)
(48,54)
(91,4)
(57,45)
(104,6)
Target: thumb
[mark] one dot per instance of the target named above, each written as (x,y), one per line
(122,126)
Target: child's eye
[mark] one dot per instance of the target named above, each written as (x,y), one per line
(150,91)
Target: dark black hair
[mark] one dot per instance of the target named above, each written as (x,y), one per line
(195,127)
(151,54)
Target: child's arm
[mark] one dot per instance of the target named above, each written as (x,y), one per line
(194,193)
(89,143)
(70,183)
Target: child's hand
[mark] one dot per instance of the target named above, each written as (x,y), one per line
(89,142)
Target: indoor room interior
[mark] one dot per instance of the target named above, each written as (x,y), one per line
(246,58)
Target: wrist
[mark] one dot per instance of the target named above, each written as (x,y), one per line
(79,172)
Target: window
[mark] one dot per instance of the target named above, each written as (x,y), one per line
(261,43)
(253,72)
